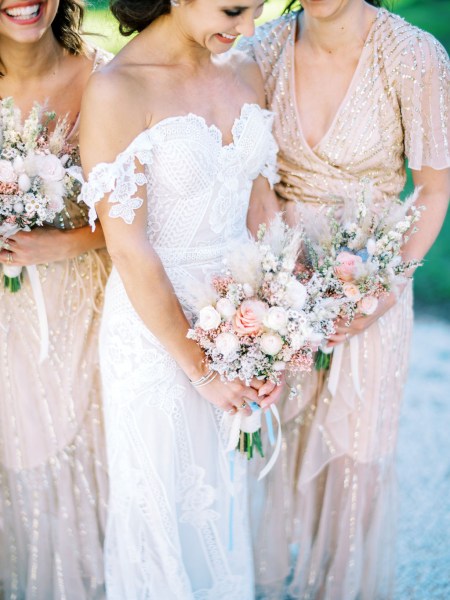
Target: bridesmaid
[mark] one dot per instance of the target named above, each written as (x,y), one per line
(356,90)
(52,468)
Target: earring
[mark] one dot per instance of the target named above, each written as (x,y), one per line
(174,3)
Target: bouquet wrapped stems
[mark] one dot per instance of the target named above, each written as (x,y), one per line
(12,282)
(248,442)
(322,361)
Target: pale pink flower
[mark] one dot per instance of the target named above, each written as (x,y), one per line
(249,317)
(352,292)
(368,305)
(346,265)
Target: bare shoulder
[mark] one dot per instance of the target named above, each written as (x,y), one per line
(248,72)
(112,113)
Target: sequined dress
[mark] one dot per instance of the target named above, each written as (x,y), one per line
(168,531)
(53,484)
(332,497)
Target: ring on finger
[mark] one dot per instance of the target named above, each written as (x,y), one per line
(232,411)
(347,336)
(7,246)
(243,405)
(9,257)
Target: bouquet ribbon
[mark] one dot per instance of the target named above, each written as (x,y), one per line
(250,424)
(336,366)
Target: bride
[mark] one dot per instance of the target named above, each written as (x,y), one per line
(174,141)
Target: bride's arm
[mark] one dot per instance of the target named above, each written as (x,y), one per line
(109,122)
(263,205)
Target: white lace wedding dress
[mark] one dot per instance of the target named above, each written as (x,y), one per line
(168,528)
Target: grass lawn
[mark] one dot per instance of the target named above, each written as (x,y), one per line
(432,281)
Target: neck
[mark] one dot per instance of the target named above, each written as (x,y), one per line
(21,62)
(346,28)
(173,45)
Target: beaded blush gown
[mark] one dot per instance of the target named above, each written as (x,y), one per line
(53,482)
(168,532)
(332,496)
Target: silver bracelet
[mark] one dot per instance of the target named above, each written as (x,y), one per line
(205,379)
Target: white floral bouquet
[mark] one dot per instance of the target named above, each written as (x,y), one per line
(256,319)
(355,258)
(34,173)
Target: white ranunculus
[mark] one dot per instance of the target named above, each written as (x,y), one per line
(276,318)
(227,344)
(19,165)
(297,340)
(31,165)
(226,308)
(296,294)
(248,290)
(50,168)
(24,182)
(18,207)
(7,173)
(279,365)
(271,343)
(209,318)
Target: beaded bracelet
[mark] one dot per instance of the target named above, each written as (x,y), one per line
(205,379)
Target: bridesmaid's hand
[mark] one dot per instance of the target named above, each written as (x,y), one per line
(48,244)
(360,323)
(38,246)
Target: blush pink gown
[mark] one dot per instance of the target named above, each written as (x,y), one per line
(53,479)
(329,505)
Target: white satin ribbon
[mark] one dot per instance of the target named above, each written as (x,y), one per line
(41,311)
(234,424)
(336,365)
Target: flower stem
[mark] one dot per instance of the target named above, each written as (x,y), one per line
(322,361)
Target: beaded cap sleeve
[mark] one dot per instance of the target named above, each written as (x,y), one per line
(421,76)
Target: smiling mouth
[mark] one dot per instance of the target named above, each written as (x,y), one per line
(226,38)
(23,13)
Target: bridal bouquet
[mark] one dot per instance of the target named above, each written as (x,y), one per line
(357,259)
(34,177)
(256,319)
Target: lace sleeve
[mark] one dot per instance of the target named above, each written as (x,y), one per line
(270,169)
(120,180)
(424,94)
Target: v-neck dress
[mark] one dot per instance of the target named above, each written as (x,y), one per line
(332,495)
(53,478)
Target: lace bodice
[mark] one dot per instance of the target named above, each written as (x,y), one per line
(198,189)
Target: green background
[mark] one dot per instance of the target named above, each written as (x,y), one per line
(432,281)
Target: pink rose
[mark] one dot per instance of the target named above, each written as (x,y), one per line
(352,292)
(346,266)
(368,305)
(249,317)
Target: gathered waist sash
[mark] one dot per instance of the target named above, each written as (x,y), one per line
(176,257)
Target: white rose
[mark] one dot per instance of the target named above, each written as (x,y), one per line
(276,318)
(50,167)
(226,308)
(248,290)
(296,294)
(271,343)
(24,182)
(209,318)
(227,344)
(18,207)
(7,173)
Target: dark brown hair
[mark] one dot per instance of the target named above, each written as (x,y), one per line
(136,15)
(293,4)
(67,24)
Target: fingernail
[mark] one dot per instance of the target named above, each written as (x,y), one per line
(260,392)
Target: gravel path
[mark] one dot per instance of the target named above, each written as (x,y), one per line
(424,468)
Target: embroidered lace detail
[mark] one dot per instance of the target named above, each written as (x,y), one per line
(170,477)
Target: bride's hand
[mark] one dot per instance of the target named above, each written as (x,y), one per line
(268,392)
(360,323)
(230,396)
